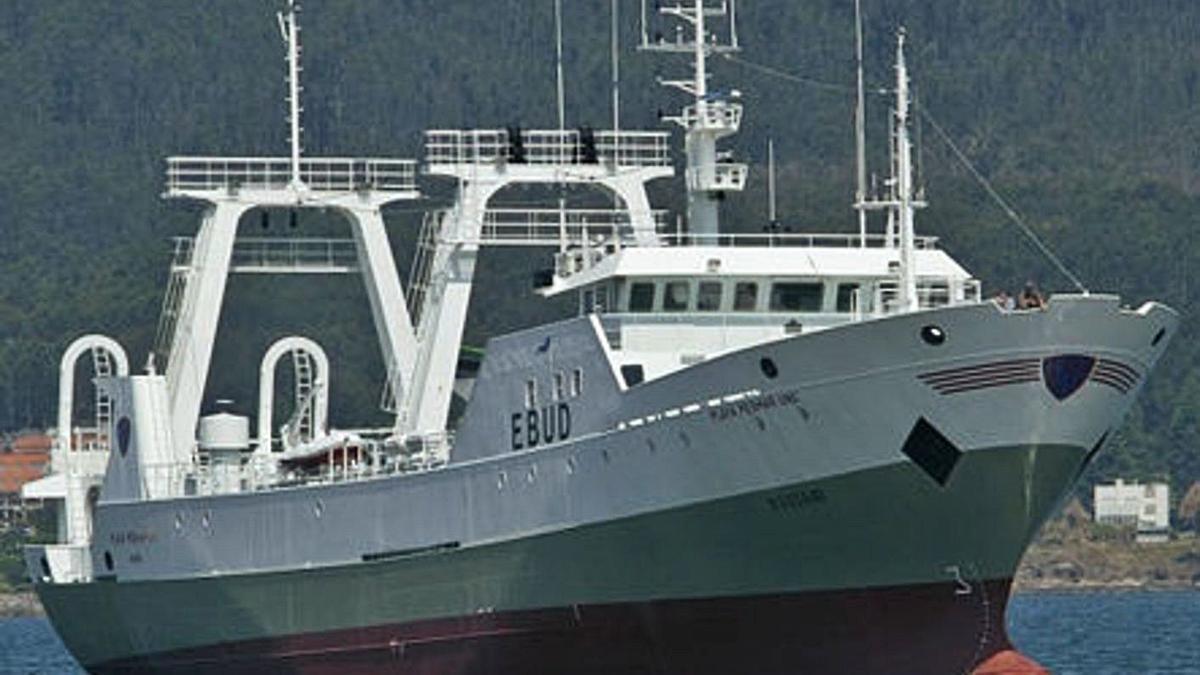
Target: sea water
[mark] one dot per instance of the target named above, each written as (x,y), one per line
(1125,633)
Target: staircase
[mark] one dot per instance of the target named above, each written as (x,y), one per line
(168,317)
(418,290)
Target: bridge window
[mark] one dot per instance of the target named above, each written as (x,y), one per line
(676,296)
(797,297)
(745,296)
(845,297)
(709,299)
(641,297)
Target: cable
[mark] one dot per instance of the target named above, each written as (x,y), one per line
(1008,210)
(788,76)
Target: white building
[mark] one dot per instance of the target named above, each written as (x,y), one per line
(1145,506)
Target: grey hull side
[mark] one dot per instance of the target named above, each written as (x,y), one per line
(881,527)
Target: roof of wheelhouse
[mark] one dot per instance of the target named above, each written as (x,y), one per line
(733,261)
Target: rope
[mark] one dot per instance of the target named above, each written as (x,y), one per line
(1004,205)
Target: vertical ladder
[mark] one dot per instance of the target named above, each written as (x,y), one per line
(302,365)
(168,317)
(104,367)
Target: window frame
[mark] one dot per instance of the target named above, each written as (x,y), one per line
(775,304)
(737,287)
(666,295)
(633,288)
(700,296)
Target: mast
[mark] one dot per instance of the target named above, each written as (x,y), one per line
(562,121)
(772,217)
(289,28)
(710,117)
(905,203)
(860,130)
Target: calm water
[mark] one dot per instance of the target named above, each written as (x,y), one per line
(1091,633)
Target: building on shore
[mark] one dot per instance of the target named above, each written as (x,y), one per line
(23,458)
(1144,506)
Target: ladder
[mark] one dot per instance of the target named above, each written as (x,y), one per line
(168,317)
(102,362)
(303,369)
(418,290)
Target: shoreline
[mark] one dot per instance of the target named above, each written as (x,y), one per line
(20,605)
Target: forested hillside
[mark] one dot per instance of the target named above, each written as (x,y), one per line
(1082,112)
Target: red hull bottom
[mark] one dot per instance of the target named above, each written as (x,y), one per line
(938,628)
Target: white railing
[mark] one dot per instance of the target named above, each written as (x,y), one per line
(275,173)
(551,227)
(788,239)
(931,293)
(279,255)
(257,472)
(541,147)
(717,115)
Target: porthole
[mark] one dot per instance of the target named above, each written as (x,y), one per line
(501,480)
(206,520)
(650,444)
(178,522)
(605,455)
(531,475)
(570,466)
(1162,333)
(933,335)
(769,368)
(318,509)
(108,561)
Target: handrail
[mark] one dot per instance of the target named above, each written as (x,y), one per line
(789,239)
(337,174)
(547,147)
(281,254)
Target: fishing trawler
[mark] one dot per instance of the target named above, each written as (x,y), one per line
(768,453)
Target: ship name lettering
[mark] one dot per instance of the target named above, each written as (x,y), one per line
(534,427)
(754,405)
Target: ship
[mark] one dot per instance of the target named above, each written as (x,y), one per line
(773,452)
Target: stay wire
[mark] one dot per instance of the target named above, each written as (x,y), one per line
(1004,205)
(958,154)
(768,70)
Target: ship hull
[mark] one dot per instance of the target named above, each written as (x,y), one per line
(878,571)
(905,629)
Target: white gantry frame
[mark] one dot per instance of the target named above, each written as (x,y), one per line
(244,184)
(484,161)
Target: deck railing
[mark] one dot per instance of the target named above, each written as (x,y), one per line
(280,255)
(334,174)
(542,147)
